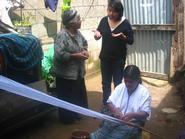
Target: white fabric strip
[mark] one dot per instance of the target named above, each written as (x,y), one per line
(16,88)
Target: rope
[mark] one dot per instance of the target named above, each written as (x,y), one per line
(91,5)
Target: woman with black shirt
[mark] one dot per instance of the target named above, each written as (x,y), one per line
(116,32)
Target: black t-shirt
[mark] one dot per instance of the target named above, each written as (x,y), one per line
(114,48)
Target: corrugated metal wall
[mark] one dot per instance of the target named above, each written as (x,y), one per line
(152,47)
(148,11)
(151,51)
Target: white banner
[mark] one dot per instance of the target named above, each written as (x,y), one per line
(16,88)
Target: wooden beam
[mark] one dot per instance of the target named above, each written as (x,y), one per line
(155,75)
(168,27)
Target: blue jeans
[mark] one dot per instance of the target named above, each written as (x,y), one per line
(111,70)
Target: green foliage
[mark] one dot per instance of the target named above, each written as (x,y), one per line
(66,5)
(47,64)
(25,22)
(21,23)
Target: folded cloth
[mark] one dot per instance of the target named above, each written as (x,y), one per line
(20,52)
(52,4)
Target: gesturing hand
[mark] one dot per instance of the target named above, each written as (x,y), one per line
(97,34)
(119,35)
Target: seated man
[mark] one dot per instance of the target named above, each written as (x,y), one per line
(130,102)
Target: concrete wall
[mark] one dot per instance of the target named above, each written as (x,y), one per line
(91,12)
(46,24)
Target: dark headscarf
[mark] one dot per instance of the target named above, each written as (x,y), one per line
(68,16)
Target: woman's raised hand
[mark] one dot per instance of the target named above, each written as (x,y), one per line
(97,34)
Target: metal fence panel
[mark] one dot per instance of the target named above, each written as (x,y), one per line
(151,50)
(148,11)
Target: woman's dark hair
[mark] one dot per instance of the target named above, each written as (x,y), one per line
(132,72)
(117,6)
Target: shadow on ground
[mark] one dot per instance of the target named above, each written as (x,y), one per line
(167,125)
(49,127)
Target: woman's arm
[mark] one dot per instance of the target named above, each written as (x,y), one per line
(115,111)
(135,115)
(144,112)
(129,34)
(97,34)
(80,55)
(129,116)
(100,28)
(59,48)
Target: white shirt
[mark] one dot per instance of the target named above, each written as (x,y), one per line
(122,19)
(138,101)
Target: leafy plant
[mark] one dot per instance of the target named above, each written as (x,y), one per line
(47,64)
(25,20)
(66,5)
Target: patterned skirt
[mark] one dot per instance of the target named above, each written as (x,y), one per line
(110,130)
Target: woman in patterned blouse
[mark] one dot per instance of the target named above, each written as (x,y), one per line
(70,53)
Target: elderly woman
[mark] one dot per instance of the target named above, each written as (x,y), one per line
(129,102)
(70,53)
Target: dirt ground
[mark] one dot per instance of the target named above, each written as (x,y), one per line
(164,124)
